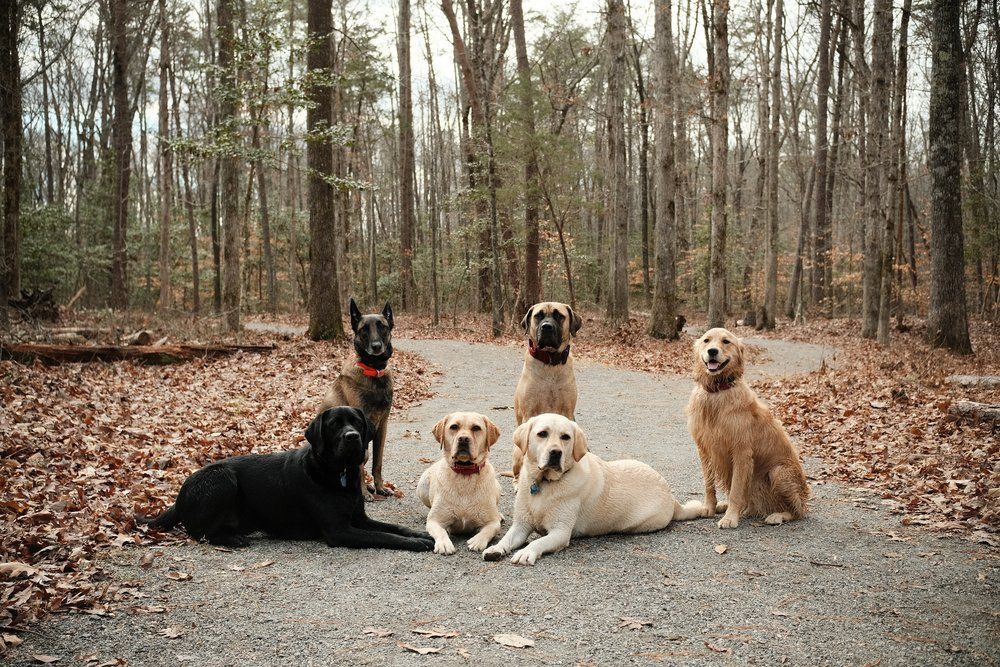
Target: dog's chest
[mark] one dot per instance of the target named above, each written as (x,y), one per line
(375,393)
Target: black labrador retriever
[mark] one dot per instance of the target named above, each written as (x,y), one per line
(313,492)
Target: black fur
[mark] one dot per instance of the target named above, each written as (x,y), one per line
(313,492)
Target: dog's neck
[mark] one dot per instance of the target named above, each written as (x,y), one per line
(373,370)
(546,357)
(467,470)
(721,383)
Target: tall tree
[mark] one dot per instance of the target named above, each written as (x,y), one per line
(617,305)
(662,322)
(773,161)
(407,168)
(121,131)
(947,319)
(532,274)
(821,228)
(719,77)
(166,157)
(12,135)
(324,283)
(232,223)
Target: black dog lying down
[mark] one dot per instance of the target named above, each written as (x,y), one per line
(313,492)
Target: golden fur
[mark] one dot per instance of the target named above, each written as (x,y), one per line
(743,448)
(462,503)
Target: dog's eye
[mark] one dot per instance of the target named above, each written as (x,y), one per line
(542,434)
(476,428)
(705,341)
(725,341)
(564,436)
(453,427)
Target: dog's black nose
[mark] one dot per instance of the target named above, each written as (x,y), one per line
(555,457)
(376,346)
(713,351)
(352,436)
(464,441)
(547,327)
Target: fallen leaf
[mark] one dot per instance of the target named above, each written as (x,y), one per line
(178,576)
(424,459)
(377,632)
(172,632)
(262,564)
(514,641)
(422,650)
(633,623)
(12,640)
(718,649)
(879,405)
(147,559)
(44,659)
(436,633)
(463,652)
(721,548)
(15,570)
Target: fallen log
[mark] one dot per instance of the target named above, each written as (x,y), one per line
(141,354)
(980,411)
(985,381)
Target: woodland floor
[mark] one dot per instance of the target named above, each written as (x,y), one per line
(850,584)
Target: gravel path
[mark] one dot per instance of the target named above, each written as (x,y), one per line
(846,586)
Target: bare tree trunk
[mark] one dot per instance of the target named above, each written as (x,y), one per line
(10,125)
(166,158)
(407,217)
(232,287)
(663,316)
(644,195)
(719,88)
(617,306)
(821,227)
(44,65)
(532,274)
(324,288)
(121,130)
(188,204)
(773,158)
(947,319)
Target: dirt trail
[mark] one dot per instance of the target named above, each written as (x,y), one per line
(848,585)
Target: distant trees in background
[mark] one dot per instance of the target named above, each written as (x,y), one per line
(270,155)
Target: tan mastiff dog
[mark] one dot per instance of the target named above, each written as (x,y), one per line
(461,488)
(548,383)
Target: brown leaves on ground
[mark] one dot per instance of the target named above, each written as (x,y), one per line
(83,446)
(879,418)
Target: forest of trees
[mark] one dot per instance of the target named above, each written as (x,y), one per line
(757,160)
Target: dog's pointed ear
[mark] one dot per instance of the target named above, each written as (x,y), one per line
(575,322)
(526,319)
(314,432)
(492,432)
(579,443)
(438,429)
(355,315)
(387,314)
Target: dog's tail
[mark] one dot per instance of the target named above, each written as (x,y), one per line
(164,521)
(689,510)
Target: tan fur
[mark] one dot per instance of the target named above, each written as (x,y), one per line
(353,388)
(743,448)
(462,503)
(544,388)
(586,496)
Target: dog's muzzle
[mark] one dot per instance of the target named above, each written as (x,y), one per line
(714,365)
(554,460)
(548,335)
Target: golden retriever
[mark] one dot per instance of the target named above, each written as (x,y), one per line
(461,489)
(742,447)
(564,491)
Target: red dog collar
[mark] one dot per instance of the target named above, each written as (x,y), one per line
(467,470)
(550,358)
(369,371)
(721,385)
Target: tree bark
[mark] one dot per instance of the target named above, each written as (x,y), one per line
(192,224)
(10,120)
(532,274)
(663,316)
(773,158)
(407,169)
(166,157)
(232,279)
(719,90)
(324,286)
(821,228)
(121,131)
(947,319)
(617,304)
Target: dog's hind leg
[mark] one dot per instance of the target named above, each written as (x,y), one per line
(789,487)
(207,504)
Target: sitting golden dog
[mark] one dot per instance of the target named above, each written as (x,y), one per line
(462,489)
(743,448)
(564,491)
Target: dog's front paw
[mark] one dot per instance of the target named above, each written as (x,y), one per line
(444,547)
(478,542)
(494,553)
(707,509)
(729,521)
(524,557)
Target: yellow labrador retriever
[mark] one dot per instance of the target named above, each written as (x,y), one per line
(461,489)
(742,447)
(564,491)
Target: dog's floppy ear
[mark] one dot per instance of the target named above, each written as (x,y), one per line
(314,432)
(521,435)
(355,315)
(492,432)
(438,429)
(579,443)
(516,459)
(526,318)
(387,314)
(574,321)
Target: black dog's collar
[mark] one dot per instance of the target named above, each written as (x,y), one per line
(546,357)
